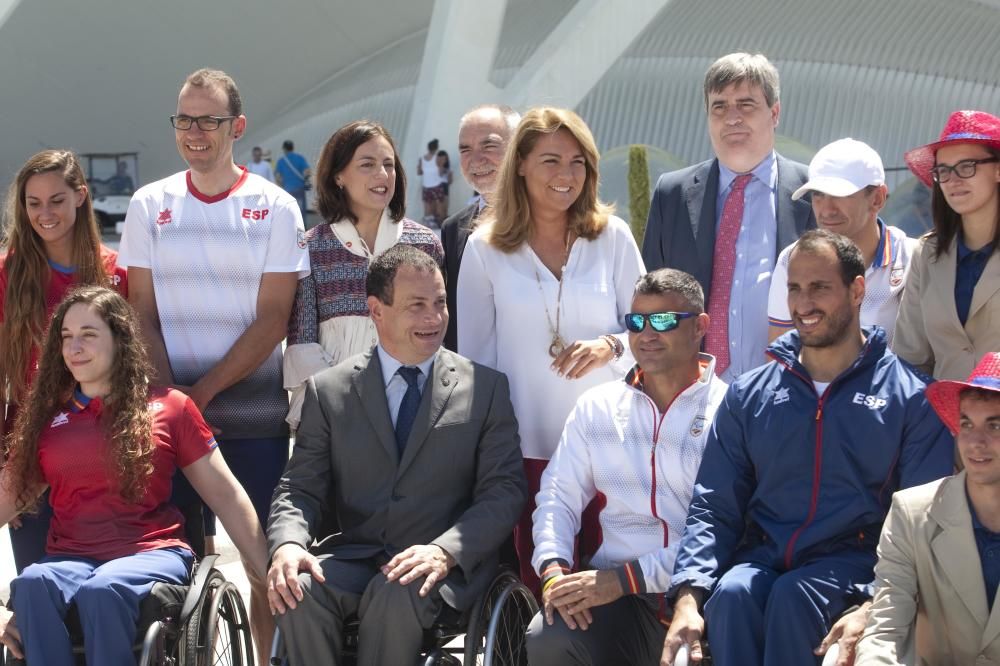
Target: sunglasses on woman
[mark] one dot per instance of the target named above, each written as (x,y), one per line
(660,321)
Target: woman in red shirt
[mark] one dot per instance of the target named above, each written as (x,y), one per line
(53,243)
(107,444)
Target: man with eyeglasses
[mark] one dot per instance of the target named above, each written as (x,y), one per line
(797,478)
(214,255)
(637,445)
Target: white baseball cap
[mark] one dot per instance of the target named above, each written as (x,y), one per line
(842,168)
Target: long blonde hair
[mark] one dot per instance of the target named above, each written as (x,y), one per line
(509,218)
(28,270)
(125,419)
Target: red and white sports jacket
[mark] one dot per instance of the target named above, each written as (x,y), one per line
(641,463)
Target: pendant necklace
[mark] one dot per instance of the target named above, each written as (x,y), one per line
(558,344)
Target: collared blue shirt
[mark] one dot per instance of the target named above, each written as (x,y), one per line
(395,386)
(968,269)
(756,248)
(988,545)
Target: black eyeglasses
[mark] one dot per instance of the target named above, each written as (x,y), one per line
(660,321)
(964,169)
(205,123)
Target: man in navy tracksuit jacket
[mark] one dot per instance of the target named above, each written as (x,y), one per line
(798,475)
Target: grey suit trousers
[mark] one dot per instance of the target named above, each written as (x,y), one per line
(393,616)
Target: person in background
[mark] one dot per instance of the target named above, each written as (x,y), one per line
(259,165)
(444,169)
(121,182)
(432,190)
(53,244)
(483,134)
(361,195)
(292,172)
(950,313)
(545,285)
(847,185)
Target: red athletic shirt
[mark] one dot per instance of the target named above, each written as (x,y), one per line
(62,279)
(90,517)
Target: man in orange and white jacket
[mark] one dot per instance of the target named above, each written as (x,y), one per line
(636,445)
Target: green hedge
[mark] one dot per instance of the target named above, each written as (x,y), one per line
(638,190)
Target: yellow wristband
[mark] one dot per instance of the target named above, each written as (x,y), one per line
(549,582)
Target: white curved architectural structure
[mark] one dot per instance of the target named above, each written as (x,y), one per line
(102,75)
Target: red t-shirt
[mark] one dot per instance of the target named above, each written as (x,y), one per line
(90,517)
(62,279)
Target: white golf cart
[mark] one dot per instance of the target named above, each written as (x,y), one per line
(113,178)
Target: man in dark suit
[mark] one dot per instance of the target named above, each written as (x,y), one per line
(482,139)
(413,452)
(725,220)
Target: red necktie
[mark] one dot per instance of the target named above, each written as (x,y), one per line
(723,267)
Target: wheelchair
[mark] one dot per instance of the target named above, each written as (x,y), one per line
(493,630)
(203,623)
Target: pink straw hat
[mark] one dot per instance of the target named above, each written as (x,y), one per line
(944,395)
(962,127)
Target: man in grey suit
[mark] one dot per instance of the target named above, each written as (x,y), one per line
(482,139)
(412,451)
(725,220)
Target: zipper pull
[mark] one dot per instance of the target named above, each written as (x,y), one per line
(819,411)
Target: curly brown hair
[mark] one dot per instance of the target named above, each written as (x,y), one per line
(28,270)
(125,418)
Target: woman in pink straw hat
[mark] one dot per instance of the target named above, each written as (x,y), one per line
(939,554)
(950,311)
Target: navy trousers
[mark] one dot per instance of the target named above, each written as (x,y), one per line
(106,594)
(759,616)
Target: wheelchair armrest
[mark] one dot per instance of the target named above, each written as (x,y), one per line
(197,591)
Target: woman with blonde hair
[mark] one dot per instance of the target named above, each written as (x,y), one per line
(53,243)
(545,284)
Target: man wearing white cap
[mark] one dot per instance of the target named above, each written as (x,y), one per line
(848,189)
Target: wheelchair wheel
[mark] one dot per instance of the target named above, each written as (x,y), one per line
(218,632)
(497,626)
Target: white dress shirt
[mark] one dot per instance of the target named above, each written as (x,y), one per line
(395,385)
(502,299)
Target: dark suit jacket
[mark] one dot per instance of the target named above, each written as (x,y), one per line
(460,483)
(454,233)
(680,231)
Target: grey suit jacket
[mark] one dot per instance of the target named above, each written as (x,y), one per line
(930,603)
(460,483)
(680,231)
(454,234)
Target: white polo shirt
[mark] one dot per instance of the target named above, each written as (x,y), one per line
(884,282)
(207,256)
